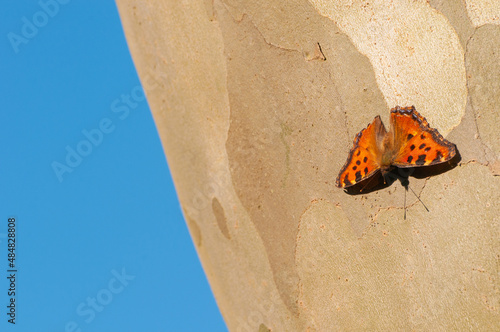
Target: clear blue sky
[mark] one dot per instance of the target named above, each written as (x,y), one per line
(101,243)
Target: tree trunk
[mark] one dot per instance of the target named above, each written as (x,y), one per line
(257,104)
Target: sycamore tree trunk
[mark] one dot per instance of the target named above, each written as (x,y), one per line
(257,104)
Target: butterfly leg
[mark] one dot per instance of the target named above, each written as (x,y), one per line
(418,198)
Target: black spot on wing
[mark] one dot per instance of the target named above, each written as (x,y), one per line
(421,146)
(358,162)
(410,158)
(422,136)
(354,167)
(366,170)
(427,149)
(410,136)
(421,159)
(357,154)
(346,180)
(412,147)
(439,156)
(358,176)
(365,159)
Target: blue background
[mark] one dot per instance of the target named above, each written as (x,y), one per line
(116,212)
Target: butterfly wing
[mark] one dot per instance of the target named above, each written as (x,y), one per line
(364,158)
(416,143)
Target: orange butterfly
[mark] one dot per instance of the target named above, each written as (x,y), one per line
(409,143)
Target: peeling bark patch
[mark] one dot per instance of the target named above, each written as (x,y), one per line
(221,217)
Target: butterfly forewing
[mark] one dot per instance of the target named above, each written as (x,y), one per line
(416,143)
(364,159)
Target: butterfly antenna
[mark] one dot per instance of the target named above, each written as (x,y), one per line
(406,189)
(418,198)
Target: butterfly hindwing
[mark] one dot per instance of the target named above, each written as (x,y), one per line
(417,143)
(363,160)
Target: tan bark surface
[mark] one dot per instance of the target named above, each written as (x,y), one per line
(257,104)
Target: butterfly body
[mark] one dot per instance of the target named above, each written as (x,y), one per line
(411,142)
(387,150)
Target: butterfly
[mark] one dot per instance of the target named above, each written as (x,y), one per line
(411,142)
